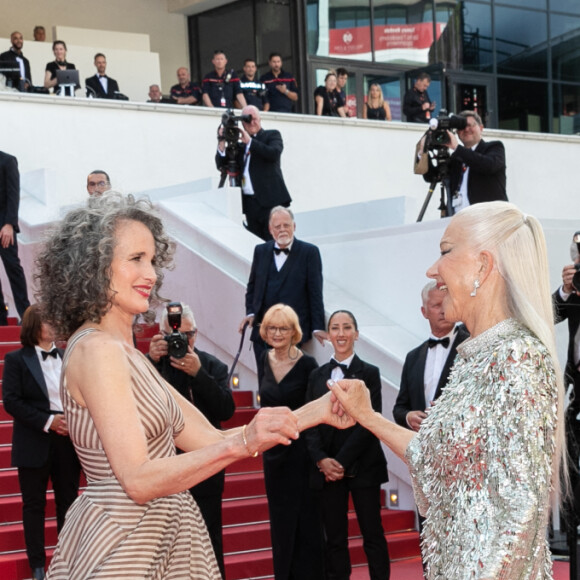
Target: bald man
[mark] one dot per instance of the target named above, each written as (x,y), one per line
(185,92)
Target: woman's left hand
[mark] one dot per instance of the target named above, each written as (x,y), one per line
(271,426)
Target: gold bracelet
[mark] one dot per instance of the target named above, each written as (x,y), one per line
(255,454)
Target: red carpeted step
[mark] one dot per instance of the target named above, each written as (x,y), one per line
(8,347)
(15,566)
(11,508)
(244,485)
(249,464)
(4,415)
(10,334)
(5,452)
(247,537)
(6,433)
(249,565)
(12,536)
(1,368)
(243,398)
(9,482)
(239,511)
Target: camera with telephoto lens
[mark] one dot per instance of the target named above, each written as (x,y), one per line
(575,252)
(439,126)
(176,341)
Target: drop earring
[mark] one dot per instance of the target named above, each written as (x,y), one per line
(476,285)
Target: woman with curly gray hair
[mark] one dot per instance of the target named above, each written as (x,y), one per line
(100,267)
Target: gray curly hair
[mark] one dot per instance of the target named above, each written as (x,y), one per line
(73,269)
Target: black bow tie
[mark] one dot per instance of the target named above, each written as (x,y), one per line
(102,76)
(334,363)
(46,354)
(442,341)
(278,251)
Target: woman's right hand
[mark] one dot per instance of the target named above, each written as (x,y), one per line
(331,469)
(351,396)
(271,426)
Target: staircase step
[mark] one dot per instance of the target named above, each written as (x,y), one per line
(11,508)
(243,398)
(12,536)
(6,347)
(4,415)
(6,432)
(10,333)
(237,511)
(244,485)
(248,464)
(5,452)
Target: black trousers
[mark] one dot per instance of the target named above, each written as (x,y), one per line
(367,504)
(63,469)
(257,217)
(210,507)
(16,278)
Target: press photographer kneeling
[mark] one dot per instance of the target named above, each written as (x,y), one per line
(202,379)
(476,168)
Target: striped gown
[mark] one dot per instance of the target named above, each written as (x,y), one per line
(108,535)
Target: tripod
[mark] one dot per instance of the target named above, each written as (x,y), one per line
(231,168)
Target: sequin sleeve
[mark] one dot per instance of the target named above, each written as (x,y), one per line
(516,449)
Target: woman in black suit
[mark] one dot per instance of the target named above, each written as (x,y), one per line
(349,461)
(41,448)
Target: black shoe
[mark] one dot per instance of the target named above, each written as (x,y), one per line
(38,573)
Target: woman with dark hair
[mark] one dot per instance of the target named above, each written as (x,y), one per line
(100,267)
(349,462)
(59,63)
(41,447)
(295,525)
(327,101)
(488,456)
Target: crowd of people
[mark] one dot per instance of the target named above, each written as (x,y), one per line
(276,90)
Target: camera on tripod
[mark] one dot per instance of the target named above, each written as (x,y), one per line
(176,341)
(231,131)
(437,135)
(574,253)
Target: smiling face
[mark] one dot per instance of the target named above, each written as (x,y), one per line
(279,332)
(132,273)
(59,51)
(16,40)
(342,333)
(471,135)
(455,272)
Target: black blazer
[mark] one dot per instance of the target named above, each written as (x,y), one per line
(210,393)
(25,397)
(10,55)
(411,395)
(9,190)
(569,310)
(487,180)
(301,287)
(265,171)
(355,448)
(94,83)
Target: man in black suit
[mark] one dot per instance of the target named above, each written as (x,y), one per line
(426,368)
(41,447)
(567,306)
(289,271)
(260,174)
(15,55)
(9,202)
(476,168)
(202,379)
(100,86)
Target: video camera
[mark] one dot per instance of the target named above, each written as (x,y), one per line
(230,133)
(437,135)
(176,341)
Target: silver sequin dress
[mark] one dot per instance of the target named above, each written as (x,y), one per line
(481,463)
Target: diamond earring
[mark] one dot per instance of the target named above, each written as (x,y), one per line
(476,285)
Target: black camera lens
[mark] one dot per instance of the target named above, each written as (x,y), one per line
(176,344)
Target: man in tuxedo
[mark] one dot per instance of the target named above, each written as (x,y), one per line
(15,55)
(100,86)
(202,379)
(41,447)
(9,202)
(476,168)
(289,271)
(426,368)
(260,174)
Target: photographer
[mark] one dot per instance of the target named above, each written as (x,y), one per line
(259,173)
(202,379)
(476,168)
